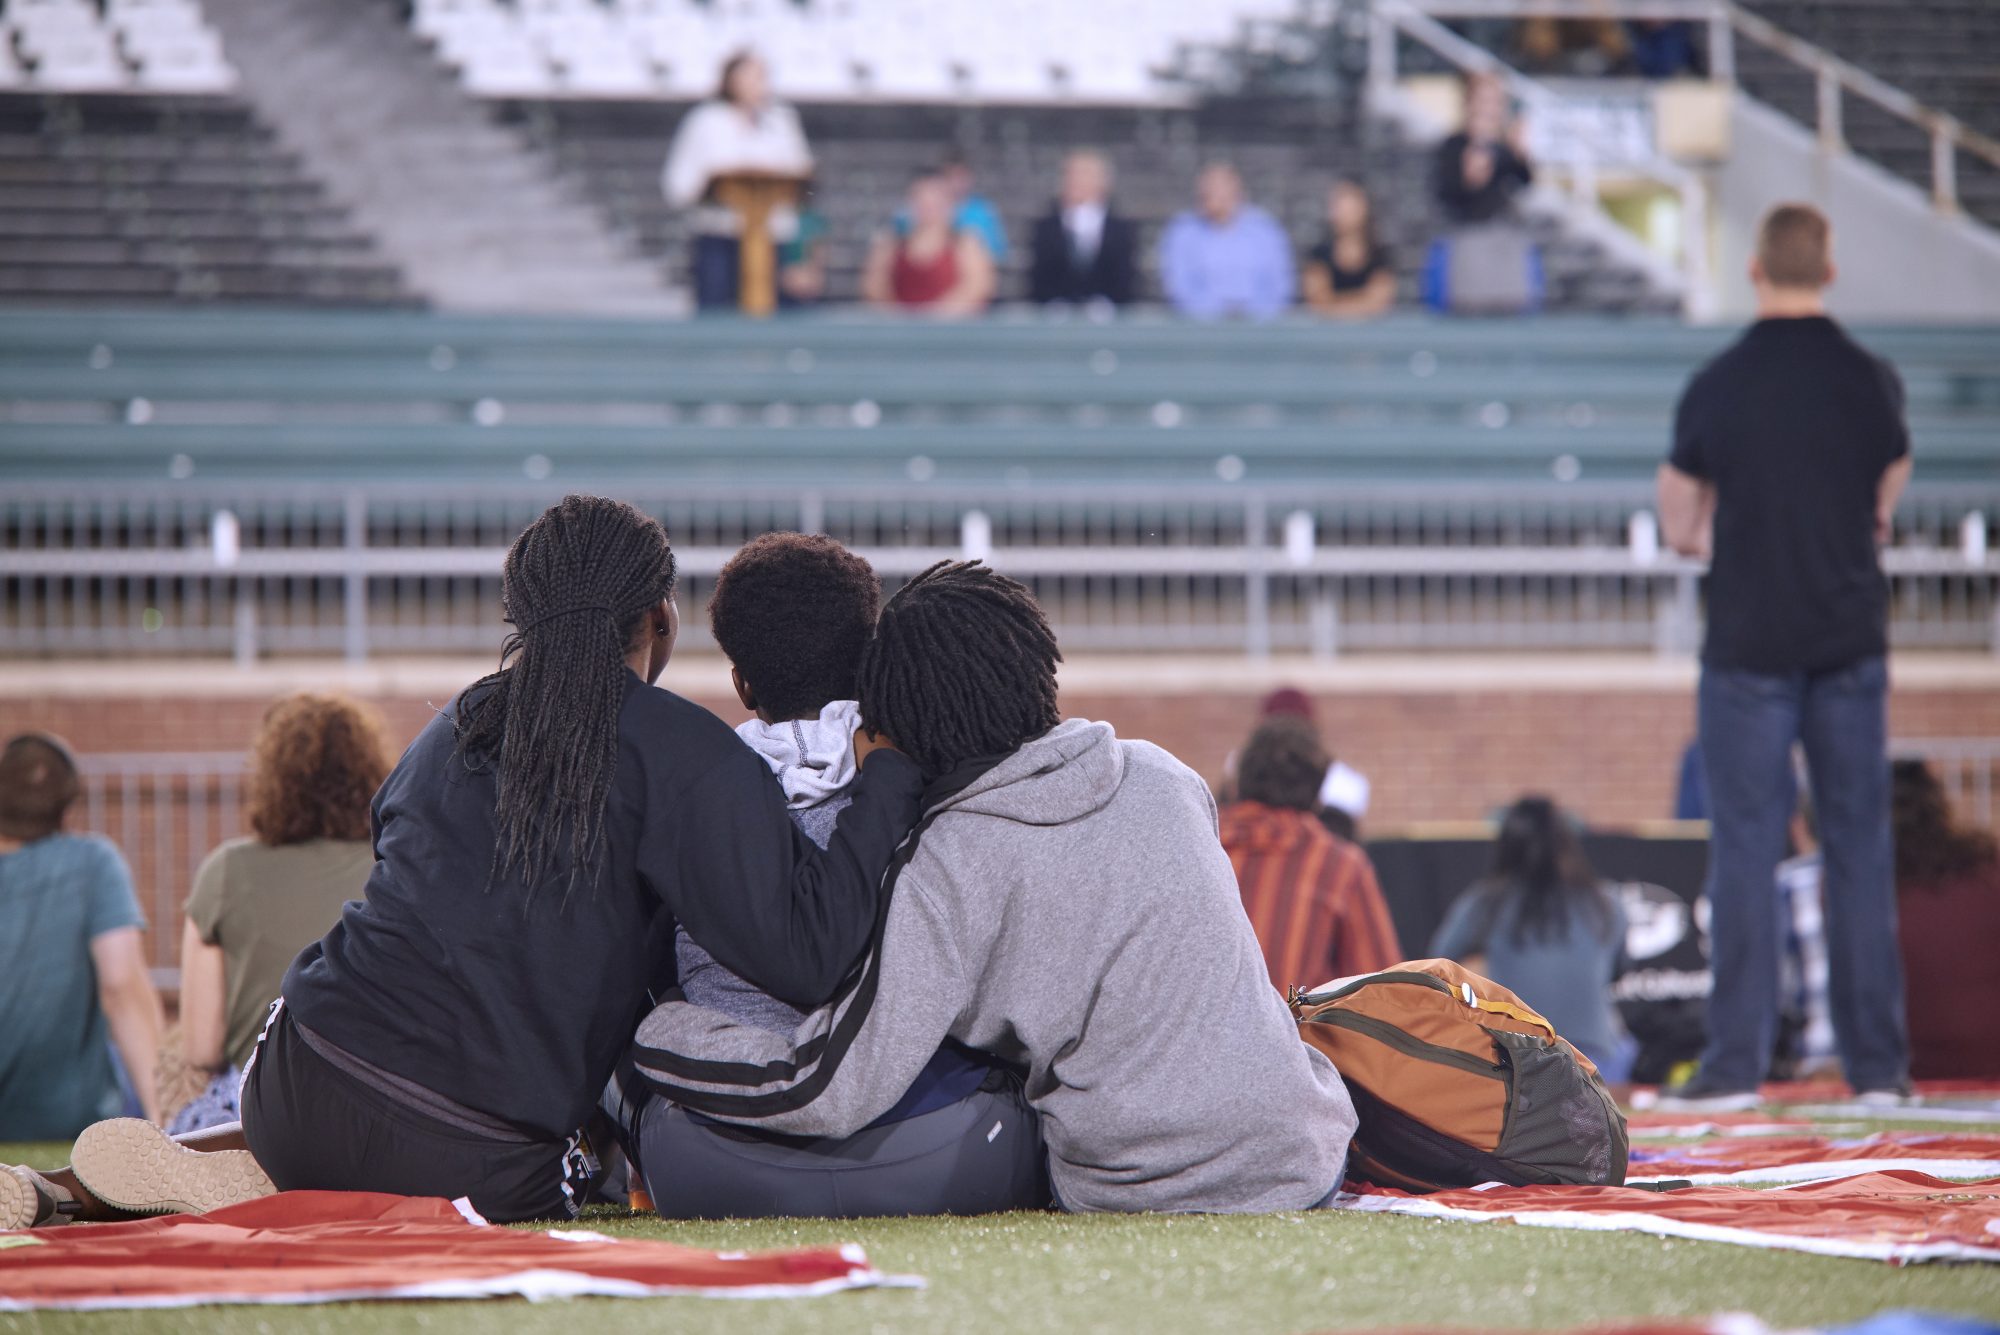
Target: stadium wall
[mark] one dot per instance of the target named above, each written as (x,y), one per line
(1441,739)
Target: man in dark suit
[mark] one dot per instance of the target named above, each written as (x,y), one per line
(1083,252)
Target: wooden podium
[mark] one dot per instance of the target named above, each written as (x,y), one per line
(753,196)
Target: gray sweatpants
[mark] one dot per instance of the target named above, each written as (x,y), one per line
(981,1155)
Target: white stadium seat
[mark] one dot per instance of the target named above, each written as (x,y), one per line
(77,60)
(192,63)
(917,50)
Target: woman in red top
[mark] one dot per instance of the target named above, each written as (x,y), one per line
(1948,914)
(935,267)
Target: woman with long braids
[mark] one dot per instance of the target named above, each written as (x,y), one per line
(535,847)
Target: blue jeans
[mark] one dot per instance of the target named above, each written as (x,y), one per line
(1748,724)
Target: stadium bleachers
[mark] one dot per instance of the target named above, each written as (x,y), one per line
(1429,483)
(905,50)
(1289,152)
(148,45)
(141,198)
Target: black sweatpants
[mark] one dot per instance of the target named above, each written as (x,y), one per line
(981,1155)
(313,1126)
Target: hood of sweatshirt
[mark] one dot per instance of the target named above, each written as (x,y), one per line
(1067,773)
(814,757)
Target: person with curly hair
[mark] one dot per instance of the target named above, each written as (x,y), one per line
(1063,906)
(795,612)
(315,764)
(1948,923)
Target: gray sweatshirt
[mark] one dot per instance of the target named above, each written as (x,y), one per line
(1072,911)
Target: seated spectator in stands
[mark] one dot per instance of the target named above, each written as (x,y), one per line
(315,764)
(1083,252)
(1948,920)
(1542,925)
(1665,49)
(740,130)
(1226,257)
(1486,263)
(970,211)
(802,257)
(1351,275)
(1311,896)
(1571,48)
(794,613)
(1064,907)
(73,978)
(937,267)
(1482,167)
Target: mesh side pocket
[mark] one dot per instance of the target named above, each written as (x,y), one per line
(1563,1126)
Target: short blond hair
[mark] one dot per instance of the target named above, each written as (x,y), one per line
(1795,247)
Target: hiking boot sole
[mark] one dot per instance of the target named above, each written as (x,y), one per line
(19,1201)
(134,1166)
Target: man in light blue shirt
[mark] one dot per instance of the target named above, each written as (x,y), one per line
(1226,258)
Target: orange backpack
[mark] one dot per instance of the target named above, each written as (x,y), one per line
(1457,1081)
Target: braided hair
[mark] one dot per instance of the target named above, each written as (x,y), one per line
(575,586)
(963,665)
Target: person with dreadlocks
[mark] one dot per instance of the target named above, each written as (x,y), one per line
(794,612)
(1063,905)
(451,1034)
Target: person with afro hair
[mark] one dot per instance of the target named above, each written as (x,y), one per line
(1063,906)
(795,613)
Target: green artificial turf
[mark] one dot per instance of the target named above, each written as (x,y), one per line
(1277,1273)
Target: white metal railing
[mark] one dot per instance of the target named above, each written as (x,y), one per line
(1630,595)
(1725,21)
(166,812)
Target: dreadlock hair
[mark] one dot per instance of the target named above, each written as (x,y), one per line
(963,665)
(575,586)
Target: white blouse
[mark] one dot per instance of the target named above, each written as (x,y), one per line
(716,138)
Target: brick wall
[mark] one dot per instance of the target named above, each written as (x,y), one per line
(1432,753)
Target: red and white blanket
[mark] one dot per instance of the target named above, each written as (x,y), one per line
(1901,1217)
(326,1246)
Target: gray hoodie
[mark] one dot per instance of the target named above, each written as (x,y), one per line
(1069,910)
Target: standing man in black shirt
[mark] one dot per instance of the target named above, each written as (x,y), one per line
(1790,451)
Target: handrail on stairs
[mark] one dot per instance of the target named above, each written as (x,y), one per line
(1726,20)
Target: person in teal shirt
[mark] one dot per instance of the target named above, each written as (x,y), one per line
(73,976)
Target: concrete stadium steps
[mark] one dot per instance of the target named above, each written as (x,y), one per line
(475,221)
(140,198)
(1289,150)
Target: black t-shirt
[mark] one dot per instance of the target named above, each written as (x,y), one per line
(1350,280)
(1466,203)
(518,1006)
(1793,425)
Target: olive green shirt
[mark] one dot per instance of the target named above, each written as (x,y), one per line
(263,905)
